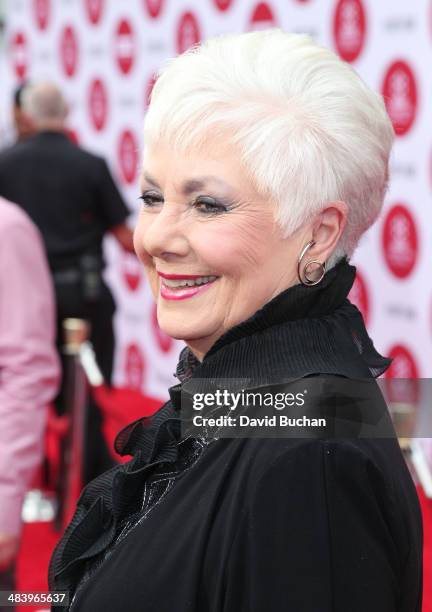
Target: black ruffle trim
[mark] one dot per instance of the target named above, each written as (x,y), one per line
(153,442)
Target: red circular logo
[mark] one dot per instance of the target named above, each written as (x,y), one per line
(42,13)
(98,104)
(359,296)
(69,51)
(153,7)
(188,32)
(149,88)
(128,156)
(262,17)
(94,9)
(19,55)
(349,29)
(399,241)
(223,5)
(134,367)
(132,272)
(164,341)
(125,46)
(402,384)
(400,95)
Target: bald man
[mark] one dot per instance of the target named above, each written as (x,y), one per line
(70,195)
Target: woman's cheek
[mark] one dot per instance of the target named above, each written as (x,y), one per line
(216,249)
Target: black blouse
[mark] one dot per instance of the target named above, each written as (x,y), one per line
(200,524)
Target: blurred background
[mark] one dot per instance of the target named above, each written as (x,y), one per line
(104,53)
(103,56)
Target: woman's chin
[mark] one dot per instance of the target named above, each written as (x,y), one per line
(183,331)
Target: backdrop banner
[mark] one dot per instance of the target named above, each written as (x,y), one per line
(104,54)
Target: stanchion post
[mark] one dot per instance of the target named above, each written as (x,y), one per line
(71,470)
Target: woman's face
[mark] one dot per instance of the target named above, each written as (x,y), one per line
(211,249)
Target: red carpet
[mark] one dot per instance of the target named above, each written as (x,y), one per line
(39,539)
(38,542)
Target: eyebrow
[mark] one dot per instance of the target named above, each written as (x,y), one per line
(190,185)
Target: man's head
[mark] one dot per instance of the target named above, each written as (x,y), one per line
(45,105)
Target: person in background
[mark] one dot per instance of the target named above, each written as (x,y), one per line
(71,196)
(29,370)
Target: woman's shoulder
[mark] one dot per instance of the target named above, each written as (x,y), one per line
(375,466)
(301,481)
(262,454)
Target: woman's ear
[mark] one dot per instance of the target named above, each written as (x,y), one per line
(328,228)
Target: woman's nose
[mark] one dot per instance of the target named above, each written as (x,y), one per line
(162,233)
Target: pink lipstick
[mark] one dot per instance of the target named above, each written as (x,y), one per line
(170,290)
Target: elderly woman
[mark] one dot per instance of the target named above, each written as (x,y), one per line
(266,159)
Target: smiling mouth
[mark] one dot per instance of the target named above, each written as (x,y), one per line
(182,283)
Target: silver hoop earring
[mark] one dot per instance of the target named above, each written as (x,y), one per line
(307,281)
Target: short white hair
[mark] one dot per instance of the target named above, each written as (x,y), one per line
(309,131)
(43,102)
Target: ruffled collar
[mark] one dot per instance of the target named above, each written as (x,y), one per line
(296,302)
(302,331)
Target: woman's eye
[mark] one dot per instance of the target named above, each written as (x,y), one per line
(209,205)
(150,198)
(203,204)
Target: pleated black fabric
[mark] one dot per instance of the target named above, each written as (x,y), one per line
(233,525)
